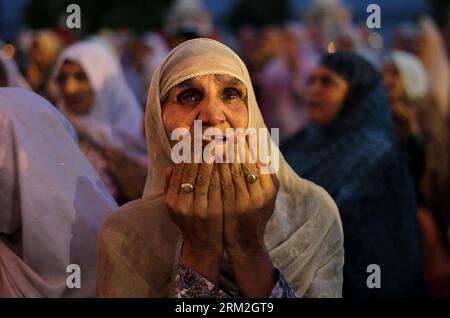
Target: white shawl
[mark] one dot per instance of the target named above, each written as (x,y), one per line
(51,201)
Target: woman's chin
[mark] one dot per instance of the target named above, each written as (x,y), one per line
(78,108)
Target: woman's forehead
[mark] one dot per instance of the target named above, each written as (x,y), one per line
(322,70)
(219,79)
(70,64)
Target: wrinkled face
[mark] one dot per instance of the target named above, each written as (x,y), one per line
(219,101)
(393,82)
(326,94)
(75,88)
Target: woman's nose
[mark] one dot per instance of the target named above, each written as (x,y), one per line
(70,86)
(211,112)
(313,88)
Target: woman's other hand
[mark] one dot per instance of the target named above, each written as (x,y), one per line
(248,205)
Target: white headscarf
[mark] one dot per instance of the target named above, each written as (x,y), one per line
(52,201)
(412,73)
(13,76)
(116,116)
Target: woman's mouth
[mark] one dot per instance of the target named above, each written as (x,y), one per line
(314,104)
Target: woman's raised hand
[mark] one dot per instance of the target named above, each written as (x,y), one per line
(193,198)
(248,203)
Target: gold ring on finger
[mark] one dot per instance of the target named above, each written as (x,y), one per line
(187,187)
(251,178)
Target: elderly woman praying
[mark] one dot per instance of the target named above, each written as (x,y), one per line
(228,228)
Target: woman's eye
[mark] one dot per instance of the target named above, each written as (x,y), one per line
(61,79)
(189,97)
(80,77)
(230,94)
(326,81)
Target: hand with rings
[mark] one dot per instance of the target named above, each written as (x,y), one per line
(193,199)
(248,203)
(219,207)
(187,187)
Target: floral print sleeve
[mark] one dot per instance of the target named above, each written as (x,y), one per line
(282,289)
(190,284)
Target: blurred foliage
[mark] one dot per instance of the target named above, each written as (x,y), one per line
(138,15)
(440,10)
(258,13)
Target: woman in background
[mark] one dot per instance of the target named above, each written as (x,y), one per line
(423,136)
(52,201)
(278,97)
(429,47)
(42,54)
(96,99)
(350,149)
